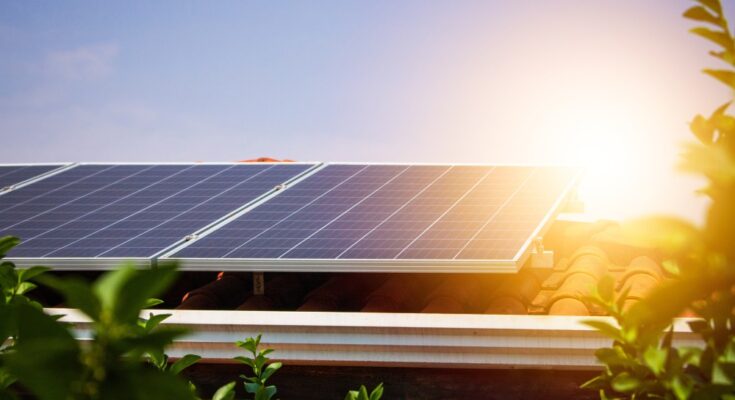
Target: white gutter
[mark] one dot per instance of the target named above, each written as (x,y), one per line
(391,339)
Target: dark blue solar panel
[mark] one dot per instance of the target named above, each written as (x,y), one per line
(14,174)
(394,212)
(130,210)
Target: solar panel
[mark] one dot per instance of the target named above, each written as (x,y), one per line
(12,175)
(350,217)
(115,211)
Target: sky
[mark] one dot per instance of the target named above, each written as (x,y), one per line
(610,85)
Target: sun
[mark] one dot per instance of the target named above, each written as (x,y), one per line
(610,141)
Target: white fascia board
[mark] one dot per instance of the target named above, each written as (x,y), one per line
(391,339)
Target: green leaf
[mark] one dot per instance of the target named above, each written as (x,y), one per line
(724,55)
(6,379)
(8,277)
(30,273)
(363,393)
(596,383)
(154,320)
(702,129)
(252,387)
(245,360)
(158,358)
(612,357)
(151,341)
(713,161)
(699,13)
(625,383)
(655,359)
(713,5)
(25,287)
(7,243)
(351,395)
(724,123)
(78,294)
(726,77)
(143,384)
(150,303)
(226,392)
(184,363)
(605,328)
(250,344)
(671,267)
(629,333)
(718,37)
(270,370)
(681,386)
(720,375)
(665,302)
(46,356)
(377,393)
(690,355)
(126,291)
(269,392)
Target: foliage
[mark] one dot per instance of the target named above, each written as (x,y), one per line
(258,362)
(642,362)
(362,393)
(46,358)
(14,284)
(124,358)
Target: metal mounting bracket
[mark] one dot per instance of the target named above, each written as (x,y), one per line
(258,284)
(540,258)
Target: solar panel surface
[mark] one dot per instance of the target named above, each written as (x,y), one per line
(396,213)
(130,210)
(15,174)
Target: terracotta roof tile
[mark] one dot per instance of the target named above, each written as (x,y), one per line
(346,292)
(265,159)
(514,294)
(568,306)
(507,305)
(642,275)
(283,292)
(574,279)
(455,294)
(227,292)
(400,293)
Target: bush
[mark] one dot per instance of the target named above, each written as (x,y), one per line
(642,363)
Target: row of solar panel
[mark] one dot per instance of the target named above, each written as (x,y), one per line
(241,211)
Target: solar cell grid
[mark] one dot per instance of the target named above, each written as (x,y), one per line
(394,212)
(130,210)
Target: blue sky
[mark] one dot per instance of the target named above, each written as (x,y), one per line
(411,81)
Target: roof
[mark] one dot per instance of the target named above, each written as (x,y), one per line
(529,321)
